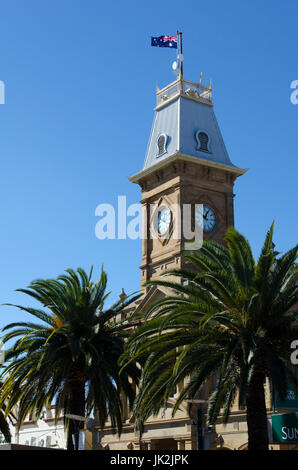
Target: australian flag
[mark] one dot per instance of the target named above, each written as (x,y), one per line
(164,41)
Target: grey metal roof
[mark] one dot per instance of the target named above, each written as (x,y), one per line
(180,120)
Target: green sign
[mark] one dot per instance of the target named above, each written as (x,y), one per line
(284,428)
(290,402)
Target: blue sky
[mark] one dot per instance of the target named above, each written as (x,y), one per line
(80,81)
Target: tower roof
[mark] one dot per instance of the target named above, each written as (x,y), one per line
(185,122)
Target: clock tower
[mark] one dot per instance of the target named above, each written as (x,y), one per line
(187,167)
(186,170)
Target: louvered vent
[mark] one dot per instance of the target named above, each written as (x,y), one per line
(161,144)
(204,140)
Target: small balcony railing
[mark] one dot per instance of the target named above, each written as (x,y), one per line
(195,91)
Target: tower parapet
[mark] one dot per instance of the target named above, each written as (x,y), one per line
(185,88)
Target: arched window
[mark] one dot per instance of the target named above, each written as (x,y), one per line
(161,144)
(203,141)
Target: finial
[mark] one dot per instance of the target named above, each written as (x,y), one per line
(210,85)
(122,295)
(157,88)
(201,78)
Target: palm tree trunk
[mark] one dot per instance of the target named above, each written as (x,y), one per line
(76,407)
(256,414)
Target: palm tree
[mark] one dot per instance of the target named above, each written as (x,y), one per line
(4,422)
(71,357)
(226,315)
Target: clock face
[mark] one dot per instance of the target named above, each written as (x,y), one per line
(164,220)
(209,218)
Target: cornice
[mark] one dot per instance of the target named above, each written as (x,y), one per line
(182,95)
(186,158)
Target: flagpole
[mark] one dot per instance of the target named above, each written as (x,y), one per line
(179,38)
(180,52)
(178,45)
